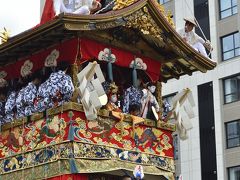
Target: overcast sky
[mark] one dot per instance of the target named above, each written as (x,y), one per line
(19,15)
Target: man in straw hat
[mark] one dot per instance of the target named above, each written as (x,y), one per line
(189,36)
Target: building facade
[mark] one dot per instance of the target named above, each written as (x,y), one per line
(212,151)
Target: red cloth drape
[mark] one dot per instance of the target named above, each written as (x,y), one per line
(68,51)
(70,177)
(48,12)
(90,49)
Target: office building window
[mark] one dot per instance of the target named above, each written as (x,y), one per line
(163,1)
(234,173)
(169,98)
(231,89)
(176,146)
(233,134)
(230,46)
(167,107)
(228,8)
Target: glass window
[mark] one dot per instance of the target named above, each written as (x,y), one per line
(176,146)
(234,173)
(230,46)
(233,134)
(167,106)
(163,1)
(228,8)
(168,98)
(231,89)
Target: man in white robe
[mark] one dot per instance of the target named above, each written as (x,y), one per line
(189,36)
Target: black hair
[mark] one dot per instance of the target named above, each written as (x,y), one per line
(12,84)
(63,65)
(134,107)
(46,72)
(26,79)
(3,90)
(38,74)
(20,84)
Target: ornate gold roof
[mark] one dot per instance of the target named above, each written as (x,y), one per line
(141,28)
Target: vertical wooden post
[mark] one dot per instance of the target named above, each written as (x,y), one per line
(159,98)
(74,72)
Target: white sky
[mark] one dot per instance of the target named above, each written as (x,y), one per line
(19,15)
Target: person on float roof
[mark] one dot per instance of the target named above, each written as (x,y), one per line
(194,40)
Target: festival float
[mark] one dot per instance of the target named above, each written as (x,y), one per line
(84,138)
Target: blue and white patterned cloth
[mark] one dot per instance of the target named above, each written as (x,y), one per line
(43,93)
(132,96)
(20,105)
(57,89)
(10,106)
(61,88)
(166,108)
(106,86)
(2,113)
(30,93)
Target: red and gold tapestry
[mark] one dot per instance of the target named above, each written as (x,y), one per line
(69,136)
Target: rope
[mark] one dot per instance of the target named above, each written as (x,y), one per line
(210,51)
(196,20)
(109,4)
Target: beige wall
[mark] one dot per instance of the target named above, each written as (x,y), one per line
(190,149)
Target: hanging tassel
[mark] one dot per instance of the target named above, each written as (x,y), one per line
(110,73)
(134,74)
(73,166)
(110,60)
(72,162)
(122,125)
(71,128)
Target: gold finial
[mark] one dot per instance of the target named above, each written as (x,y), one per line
(4,35)
(167,15)
(170,18)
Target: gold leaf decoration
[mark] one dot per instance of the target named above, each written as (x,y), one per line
(4,35)
(120,4)
(142,20)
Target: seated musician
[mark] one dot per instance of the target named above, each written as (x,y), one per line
(30,93)
(149,102)
(132,96)
(19,98)
(112,99)
(60,85)
(10,106)
(42,100)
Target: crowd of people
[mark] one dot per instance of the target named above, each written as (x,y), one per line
(52,86)
(138,101)
(35,92)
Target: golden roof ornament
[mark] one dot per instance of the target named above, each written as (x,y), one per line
(120,4)
(143,21)
(4,35)
(168,16)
